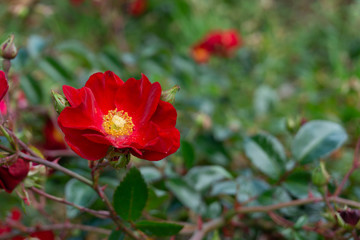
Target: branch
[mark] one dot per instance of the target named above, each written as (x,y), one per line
(99,214)
(218,222)
(354,166)
(56,167)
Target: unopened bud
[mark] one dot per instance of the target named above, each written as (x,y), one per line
(169,95)
(8,48)
(350,216)
(60,102)
(293,124)
(320,176)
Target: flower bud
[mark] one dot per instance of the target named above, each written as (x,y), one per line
(8,48)
(320,176)
(293,124)
(60,102)
(350,216)
(169,95)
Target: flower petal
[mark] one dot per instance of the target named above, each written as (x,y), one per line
(139,98)
(4,86)
(83,115)
(84,147)
(104,87)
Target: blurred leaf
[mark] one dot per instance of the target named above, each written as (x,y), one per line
(159,228)
(226,188)
(317,139)
(265,99)
(79,51)
(55,70)
(267,154)
(188,153)
(250,187)
(131,195)
(156,198)
(298,183)
(35,46)
(80,194)
(150,174)
(116,235)
(300,222)
(32,89)
(186,195)
(203,177)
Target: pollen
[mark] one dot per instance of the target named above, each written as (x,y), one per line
(118,123)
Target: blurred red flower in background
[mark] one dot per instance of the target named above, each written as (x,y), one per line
(11,176)
(128,116)
(76,2)
(137,7)
(3,85)
(16,216)
(54,138)
(219,43)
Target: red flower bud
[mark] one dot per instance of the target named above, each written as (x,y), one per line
(350,216)
(127,116)
(11,176)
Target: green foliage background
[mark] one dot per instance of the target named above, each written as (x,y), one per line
(300,61)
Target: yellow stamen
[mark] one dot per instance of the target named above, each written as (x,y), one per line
(118,123)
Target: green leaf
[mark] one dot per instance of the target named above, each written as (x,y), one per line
(317,139)
(131,195)
(159,228)
(267,154)
(203,177)
(117,235)
(188,153)
(80,194)
(186,195)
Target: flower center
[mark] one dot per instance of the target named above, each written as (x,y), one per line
(118,123)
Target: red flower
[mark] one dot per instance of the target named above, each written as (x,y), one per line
(11,176)
(3,85)
(220,43)
(137,7)
(128,116)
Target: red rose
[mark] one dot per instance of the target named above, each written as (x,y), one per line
(128,116)
(137,7)
(3,85)
(11,176)
(220,43)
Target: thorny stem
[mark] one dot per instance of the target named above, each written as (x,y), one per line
(113,214)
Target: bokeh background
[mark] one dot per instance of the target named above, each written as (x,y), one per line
(298,61)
